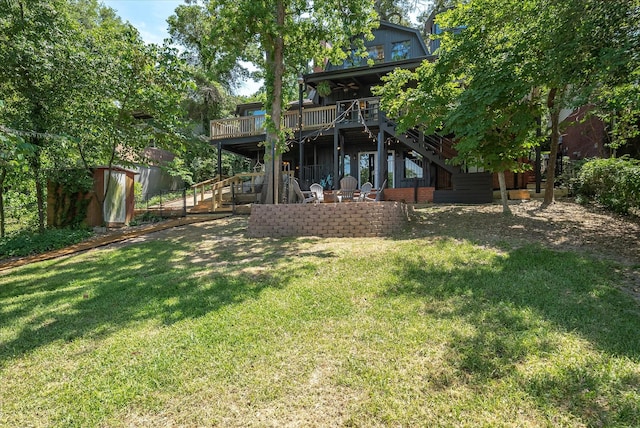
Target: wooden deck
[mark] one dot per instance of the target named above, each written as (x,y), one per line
(315,118)
(312,119)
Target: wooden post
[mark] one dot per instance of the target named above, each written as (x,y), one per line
(382,160)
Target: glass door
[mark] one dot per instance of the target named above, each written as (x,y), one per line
(367,166)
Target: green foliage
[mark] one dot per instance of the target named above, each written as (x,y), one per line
(21,209)
(569,177)
(70,188)
(137,191)
(324,89)
(613,183)
(72,180)
(395,11)
(158,199)
(502,63)
(27,243)
(473,90)
(146,217)
(84,89)
(14,151)
(619,108)
(177,168)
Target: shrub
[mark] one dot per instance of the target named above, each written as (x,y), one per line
(146,217)
(614,183)
(570,174)
(27,243)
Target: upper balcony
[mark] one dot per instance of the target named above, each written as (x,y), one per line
(315,118)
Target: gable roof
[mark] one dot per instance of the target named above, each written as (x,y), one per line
(370,74)
(413,31)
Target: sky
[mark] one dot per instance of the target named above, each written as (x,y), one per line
(150,18)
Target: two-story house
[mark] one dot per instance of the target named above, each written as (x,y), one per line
(344,132)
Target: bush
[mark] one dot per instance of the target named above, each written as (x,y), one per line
(146,217)
(570,174)
(614,183)
(27,243)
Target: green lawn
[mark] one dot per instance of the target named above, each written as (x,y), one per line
(317,332)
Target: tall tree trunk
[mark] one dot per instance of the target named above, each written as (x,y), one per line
(503,193)
(554,112)
(275,65)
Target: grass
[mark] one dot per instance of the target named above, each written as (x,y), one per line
(317,332)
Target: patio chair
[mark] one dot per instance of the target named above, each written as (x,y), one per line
(348,185)
(365,189)
(303,197)
(348,182)
(318,191)
(379,193)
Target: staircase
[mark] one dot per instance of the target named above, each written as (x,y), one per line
(435,148)
(467,188)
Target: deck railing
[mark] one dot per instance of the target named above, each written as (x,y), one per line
(312,118)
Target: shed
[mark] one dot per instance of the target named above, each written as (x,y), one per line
(69,207)
(119,197)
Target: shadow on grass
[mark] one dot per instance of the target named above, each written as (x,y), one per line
(101,292)
(517,306)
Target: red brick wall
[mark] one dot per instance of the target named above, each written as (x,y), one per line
(425,194)
(583,138)
(354,219)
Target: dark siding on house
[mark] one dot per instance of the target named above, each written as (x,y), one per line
(385,36)
(467,189)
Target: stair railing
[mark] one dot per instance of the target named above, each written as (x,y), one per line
(201,187)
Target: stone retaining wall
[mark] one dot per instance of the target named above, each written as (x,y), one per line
(357,219)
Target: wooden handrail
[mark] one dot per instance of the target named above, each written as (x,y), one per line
(312,118)
(209,181)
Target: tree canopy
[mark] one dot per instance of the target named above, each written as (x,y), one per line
(76,81)
(504,63)
(279,37)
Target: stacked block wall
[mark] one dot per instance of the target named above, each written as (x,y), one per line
(357,219)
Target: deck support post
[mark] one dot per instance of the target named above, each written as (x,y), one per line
(301,161)
(219,160)
(381,168)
